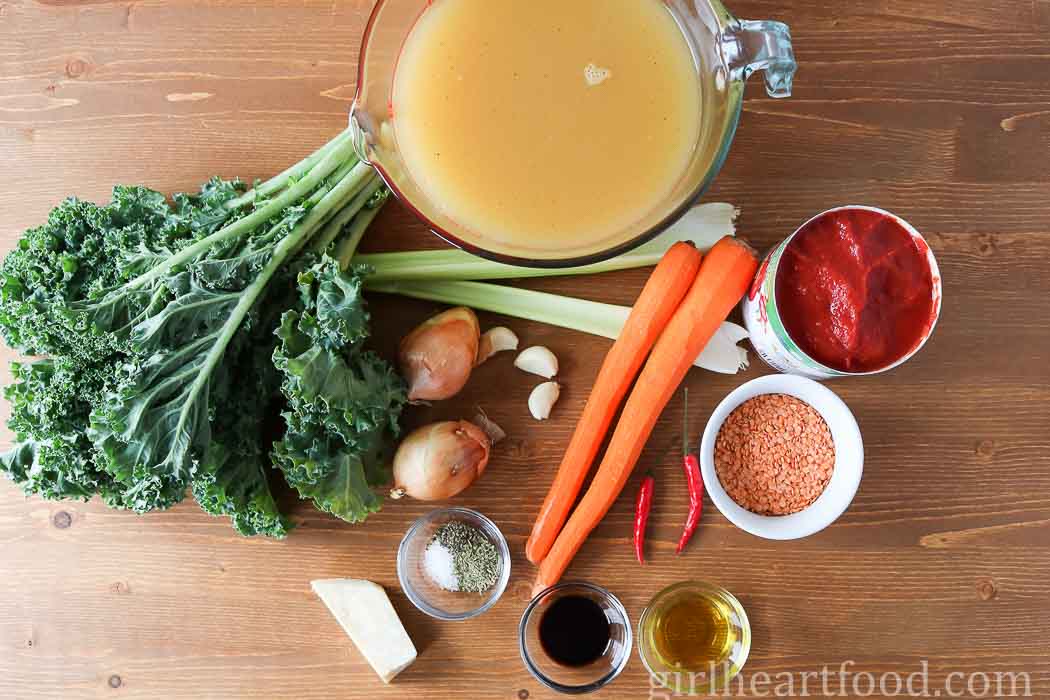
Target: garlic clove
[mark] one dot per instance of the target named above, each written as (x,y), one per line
(542,399)
(537,360)
(495,340)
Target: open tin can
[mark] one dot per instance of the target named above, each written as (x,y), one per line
(769,334)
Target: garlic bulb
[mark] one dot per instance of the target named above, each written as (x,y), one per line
(722,353)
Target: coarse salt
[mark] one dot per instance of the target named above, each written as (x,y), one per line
(437,562)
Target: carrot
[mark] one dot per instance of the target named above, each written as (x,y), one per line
(724,276)
(661,295)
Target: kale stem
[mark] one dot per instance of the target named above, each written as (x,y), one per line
(348,246)
(343,195)
(336,158)
(281,180)
(335,227)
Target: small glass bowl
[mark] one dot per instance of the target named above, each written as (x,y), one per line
(584,679)
(432,598)
(717,677)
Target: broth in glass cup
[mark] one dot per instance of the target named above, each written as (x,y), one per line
(566,155)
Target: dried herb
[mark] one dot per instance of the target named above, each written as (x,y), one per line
(475,560)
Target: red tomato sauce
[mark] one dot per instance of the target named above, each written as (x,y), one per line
(855,290)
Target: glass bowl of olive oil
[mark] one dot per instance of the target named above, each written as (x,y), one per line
(694,638)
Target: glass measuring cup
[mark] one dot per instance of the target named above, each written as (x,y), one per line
(726,51)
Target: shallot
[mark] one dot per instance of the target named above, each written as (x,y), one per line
(439,460)
(437,357)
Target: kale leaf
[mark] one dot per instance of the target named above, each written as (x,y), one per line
(233,476)
(343,402)
(50,403)
(82,251)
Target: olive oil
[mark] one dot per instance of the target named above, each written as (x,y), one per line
(693,632)
(694,637)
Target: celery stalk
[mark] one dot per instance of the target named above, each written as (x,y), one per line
(448,276)
(703,225)
(591,317)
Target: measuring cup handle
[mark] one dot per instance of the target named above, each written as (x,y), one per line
(752,45)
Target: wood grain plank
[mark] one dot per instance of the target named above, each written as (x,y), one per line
(936,110)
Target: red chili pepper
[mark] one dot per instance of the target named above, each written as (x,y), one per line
(693,480)
(696,500)
(641,515)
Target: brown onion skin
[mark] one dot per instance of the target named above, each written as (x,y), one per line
(436,358)
(440,460)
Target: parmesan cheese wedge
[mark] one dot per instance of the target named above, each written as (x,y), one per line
(365,612)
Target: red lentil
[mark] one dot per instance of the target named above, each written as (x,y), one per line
(774,454)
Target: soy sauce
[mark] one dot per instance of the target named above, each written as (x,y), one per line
(574,631)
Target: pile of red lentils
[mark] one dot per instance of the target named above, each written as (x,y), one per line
(774,455)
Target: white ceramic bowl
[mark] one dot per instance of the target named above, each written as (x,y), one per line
(845,478)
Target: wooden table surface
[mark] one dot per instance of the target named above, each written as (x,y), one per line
(936,109)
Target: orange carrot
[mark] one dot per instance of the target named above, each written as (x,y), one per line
(724,276)
(660,297)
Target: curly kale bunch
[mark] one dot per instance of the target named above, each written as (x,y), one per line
(157,324)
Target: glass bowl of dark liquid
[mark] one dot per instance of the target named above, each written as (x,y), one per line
(575,637)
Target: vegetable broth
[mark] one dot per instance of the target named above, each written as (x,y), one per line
(547,123)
